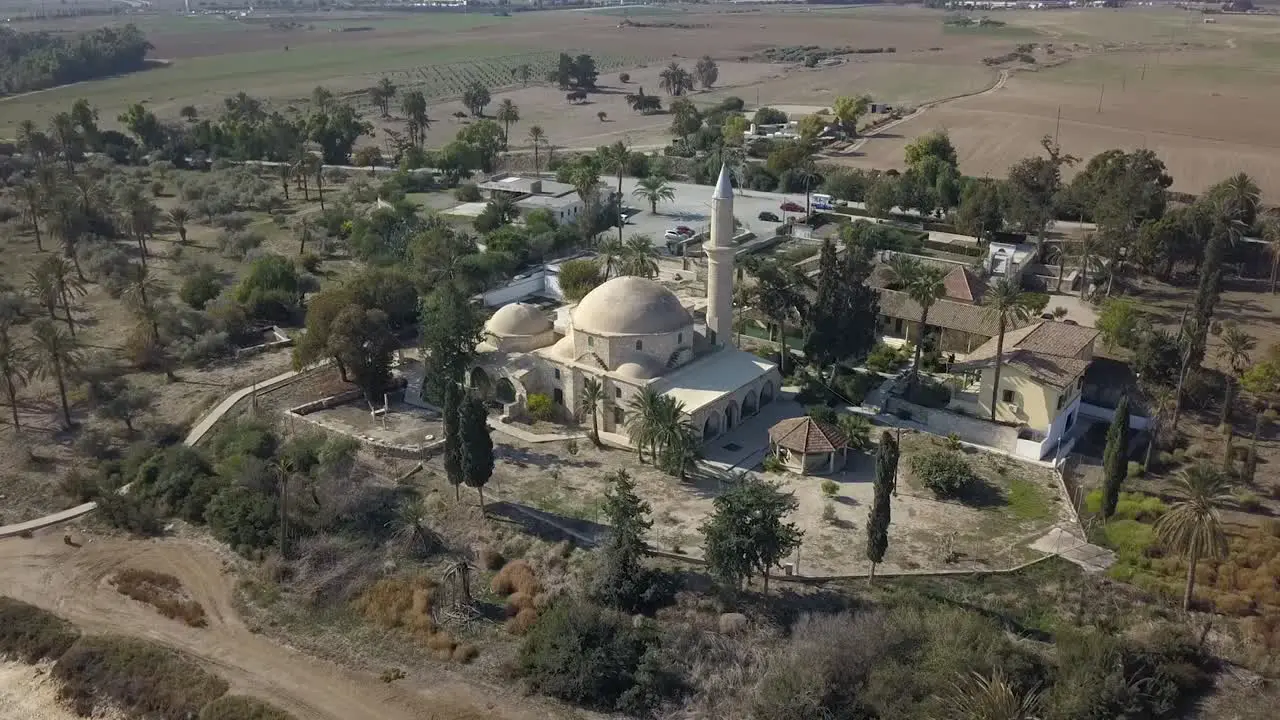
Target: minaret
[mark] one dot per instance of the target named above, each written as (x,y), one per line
(720,253)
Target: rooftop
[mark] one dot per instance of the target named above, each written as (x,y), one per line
(708,378)
(549,202)
(527,186)
(949,314)
(1049,351)
(961,284)
(806,435)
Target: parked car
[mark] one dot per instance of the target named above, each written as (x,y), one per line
(767,216)
(789,206)
(673,235)
(684,230)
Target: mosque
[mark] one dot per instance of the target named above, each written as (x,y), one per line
(631,333)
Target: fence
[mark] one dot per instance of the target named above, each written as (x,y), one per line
(945,422)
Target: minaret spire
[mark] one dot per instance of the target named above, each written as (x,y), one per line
(720,256)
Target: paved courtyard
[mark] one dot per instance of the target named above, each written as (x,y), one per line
(692,208)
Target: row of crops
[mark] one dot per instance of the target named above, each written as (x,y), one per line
(449,79)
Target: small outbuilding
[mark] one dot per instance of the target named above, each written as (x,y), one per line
(807,446)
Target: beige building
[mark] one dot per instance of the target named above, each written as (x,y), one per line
(958,321)
(628,334)
(1040,379)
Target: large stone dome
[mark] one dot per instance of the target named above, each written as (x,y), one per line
(518,319)
(630,305)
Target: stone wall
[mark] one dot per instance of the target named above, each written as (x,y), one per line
(968,429)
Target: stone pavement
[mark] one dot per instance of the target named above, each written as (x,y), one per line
(1066,545)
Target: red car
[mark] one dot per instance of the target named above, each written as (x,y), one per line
(789,206)
(684,230)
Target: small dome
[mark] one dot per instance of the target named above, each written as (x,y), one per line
(639,367)
(563,348)
(518,319)
(630,305)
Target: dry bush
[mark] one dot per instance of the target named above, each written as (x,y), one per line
(519,601)
(399,603)
(141,678)
(330,570)
(442,645)
(238,707)
(523,620)
(162,592)
(490,559)
(515,576)
(464,654)
(31,634)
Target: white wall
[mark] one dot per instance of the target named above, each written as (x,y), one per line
(515,290)
(1136,422)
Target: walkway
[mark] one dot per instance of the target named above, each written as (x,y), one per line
(532,437)
(1066,545)
(197,433)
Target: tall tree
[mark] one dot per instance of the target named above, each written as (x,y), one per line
(141,293)
(508,114)
(621,579)
(848,109)
(51,284)
(363,342)
(451,415)
(382,94)
(450,330)
(15,366)
(675,80)
(475,97)
(1191,528)
(1005,302)
(747,533)
(640,257)
(878,514)
(1236,346)
(1270,233)
(840,323)
(592,400)
(178,218)
(537,138)
(476,446)
(414,107)
(1115,458)
(654,189)
(644,419)
(706,71)
(778,296)
(925,288)
(33,209)
(57,355)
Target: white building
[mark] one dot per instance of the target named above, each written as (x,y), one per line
(631,333)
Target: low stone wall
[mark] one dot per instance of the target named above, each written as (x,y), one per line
(332,401)
(944,422)
(281,340)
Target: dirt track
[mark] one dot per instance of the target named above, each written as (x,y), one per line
(73,583)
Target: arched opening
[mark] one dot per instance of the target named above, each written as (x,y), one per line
(749,404)
(506,392)
(730,416)
(711,427)
(481,384)
(766,394)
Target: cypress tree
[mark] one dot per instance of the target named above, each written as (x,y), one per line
(878,515)
(476,447)
(452,436)
(1115,459)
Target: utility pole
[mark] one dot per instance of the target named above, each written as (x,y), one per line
(1101,91)
(1057,126)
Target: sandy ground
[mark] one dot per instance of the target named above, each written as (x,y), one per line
(28,692)
(73,583)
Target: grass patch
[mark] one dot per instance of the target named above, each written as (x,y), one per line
(238,707)
(142,679)
(1027,500)
(163,592)
(30,634)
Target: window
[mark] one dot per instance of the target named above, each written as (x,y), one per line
(591,342)
(639,345)
(619,416)
(1006,396)
(558,396)
(557,371)
(679,338)
(617,392)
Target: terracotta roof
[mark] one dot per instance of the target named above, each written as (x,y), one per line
(1047,351)
(806,435)
(961,284)
(947,314)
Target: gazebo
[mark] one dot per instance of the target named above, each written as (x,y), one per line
(807,446)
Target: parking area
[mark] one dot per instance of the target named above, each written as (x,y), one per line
(692,208)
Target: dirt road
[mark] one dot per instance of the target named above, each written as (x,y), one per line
(73,583)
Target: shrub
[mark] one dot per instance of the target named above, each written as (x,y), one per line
(773,464)
(624,77)
(202,284)
(465,653)
(31,634)
(242,517)
(929,393)
(129,512)
(468,192)
(830,488)
(883,358)
(400,603)
(491,559)
(1134,470)
(540,406)
(947,474)
(596,658)
(238,707)
(161,591)
(822,414)
(520,623)
(141,678)
(515,577)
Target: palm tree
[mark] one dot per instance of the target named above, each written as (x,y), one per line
(902,270)
(675,80)
(640,257)
(283,469)
(178,217)
(591,399)
(457,575)
(52,284)
(1008,305)
(1236,346)
(68,223)
(410,527)
(285,169)
(504,207)
(33,209)
(523,73)
(15,363)
(857,431)
(139,214)
(57,355)
(614,158)
(1238,197)
(611,255)
(537,138)
(653,190)
(508,114)
(925,288)
(1192,527)
(643,421)
(1270,233)
(414,107)
(383,93)
(683,449)
(63,132)
(141,293)
(777,296)
(979,697)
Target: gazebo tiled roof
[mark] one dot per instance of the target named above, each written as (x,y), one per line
(808,436)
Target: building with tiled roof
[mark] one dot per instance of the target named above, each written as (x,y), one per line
(807,446)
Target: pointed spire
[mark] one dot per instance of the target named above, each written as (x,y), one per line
(724,188)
